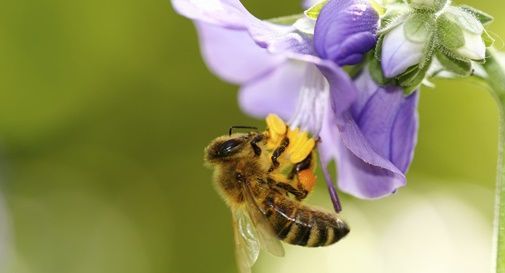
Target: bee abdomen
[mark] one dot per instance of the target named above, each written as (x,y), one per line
(327,229)
(300,225)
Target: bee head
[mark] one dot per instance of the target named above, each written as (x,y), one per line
(225,148)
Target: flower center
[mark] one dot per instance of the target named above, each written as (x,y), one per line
(312,102)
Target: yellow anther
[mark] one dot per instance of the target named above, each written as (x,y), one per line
(276,125)
(300,143)
(293,136)
(302,151)
(296,138)
(276,130)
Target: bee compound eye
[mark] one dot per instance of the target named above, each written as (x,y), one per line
(228,147)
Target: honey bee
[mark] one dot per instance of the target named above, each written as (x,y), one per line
(263,177)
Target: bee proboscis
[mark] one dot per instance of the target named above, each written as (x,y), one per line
(263,177)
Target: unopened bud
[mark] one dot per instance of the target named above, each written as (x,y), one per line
(429,4)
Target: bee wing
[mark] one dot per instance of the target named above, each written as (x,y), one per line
(247,246)
(265,232)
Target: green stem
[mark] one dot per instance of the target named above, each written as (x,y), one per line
(496,81)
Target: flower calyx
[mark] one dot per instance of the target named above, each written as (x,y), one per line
(430,5)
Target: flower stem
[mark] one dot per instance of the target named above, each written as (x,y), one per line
(496,81)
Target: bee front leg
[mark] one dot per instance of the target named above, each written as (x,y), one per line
(278,152)
(254,144)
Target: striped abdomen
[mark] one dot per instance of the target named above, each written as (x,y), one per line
(297,224)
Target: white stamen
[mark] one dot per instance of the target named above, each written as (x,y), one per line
(312,102)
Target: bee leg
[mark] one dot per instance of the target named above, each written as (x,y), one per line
(254,144)
(303,165)
(298,193)
(278,152)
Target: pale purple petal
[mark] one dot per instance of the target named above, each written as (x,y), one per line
(328,151)
(276,92)
(404,133)
(225,13)
(367,87)
(343,92)
(329,139)
(312,101)
(345,31)
(309,3)
(380,116)
(364,180)
(363,172)
(295,45)
(231,14)
(233,55)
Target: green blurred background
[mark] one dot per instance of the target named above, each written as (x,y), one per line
(105,107)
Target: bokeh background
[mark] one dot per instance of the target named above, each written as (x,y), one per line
(105,107)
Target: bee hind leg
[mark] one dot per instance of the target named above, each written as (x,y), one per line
(299,194)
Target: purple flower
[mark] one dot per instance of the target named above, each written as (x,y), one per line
(373,142)
(370,131)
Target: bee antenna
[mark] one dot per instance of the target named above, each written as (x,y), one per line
(241,127)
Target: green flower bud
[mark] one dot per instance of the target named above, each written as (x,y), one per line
(424,34)
(462,33)
(434,5)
